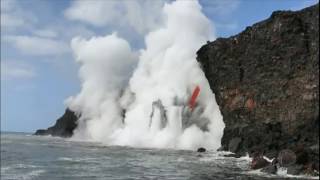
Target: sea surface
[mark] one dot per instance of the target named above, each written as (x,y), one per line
(24,156)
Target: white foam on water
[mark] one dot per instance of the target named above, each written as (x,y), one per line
(33,174)
(281,173)
(65,159)
(269,160)
(9,172)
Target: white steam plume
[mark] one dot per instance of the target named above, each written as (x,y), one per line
(106,66)
(153,110)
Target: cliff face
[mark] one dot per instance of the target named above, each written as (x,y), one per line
(64,126)
(266,83)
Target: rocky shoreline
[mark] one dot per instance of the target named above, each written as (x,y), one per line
(266,83)
(63,127)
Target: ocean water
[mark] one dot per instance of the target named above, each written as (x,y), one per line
(24,156)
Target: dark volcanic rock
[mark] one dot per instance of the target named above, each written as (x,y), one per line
(295,169)
(266,82)
(286,158)
(64,126)
(313,157)
(234,144)
(259,162)
(232,155)
(201,149)
(271,169)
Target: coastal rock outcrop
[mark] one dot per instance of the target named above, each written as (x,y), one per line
(266,83)
(201,149)
(258,161)
(63,127)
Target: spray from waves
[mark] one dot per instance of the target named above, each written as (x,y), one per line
(146,105)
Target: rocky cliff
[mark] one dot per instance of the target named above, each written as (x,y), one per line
(266,83)
(63,127)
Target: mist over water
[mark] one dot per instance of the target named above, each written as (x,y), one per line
(140,99)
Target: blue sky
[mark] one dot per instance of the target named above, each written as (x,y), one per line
(37,68)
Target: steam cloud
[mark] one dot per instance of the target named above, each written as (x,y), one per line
(141,98)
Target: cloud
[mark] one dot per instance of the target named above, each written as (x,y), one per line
(16,70)
(73,30)
(32,45)
(142,16)
(7,20)
(13,16)
(45,33)
(7,5)
(93,12)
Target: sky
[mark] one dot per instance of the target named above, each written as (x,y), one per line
(38,71)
